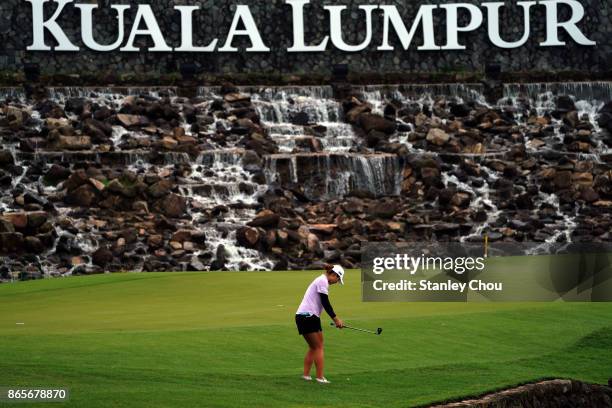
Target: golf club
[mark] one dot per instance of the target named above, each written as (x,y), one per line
(377,332)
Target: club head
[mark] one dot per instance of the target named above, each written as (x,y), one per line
(379,331)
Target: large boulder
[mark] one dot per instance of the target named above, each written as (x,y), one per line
(33,245)
(73,143)
(172,205)
(369,121)
(438,137)
(102,257)
(236,97)
(247,237)
(605,117)
(36,219)
(56,174)
(11,242)
(132,120)
(384,209)
(6,159)
(300,119)
(563,179)
(76,179)
(265,219)
(83,196)
(565,104)
(352,116)
(160,189)
(19,220)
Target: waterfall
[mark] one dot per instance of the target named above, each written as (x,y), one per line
(421,95)
(12,93)
(588,91)
(61,94)
(326,176)
(289,114)
(321,157)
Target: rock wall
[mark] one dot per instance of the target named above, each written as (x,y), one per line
(215,20)
(545,394)
(243,178)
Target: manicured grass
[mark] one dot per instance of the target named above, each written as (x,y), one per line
(228,340)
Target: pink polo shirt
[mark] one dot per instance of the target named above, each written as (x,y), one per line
(312,301)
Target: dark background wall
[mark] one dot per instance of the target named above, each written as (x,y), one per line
(274,21)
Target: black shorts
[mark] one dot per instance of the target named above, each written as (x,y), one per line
(308,324)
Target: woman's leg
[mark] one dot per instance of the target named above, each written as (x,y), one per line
(319,358)
(314,354)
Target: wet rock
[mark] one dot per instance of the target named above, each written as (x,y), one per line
(384,209)
(354,114)
(15,117)
(6,225)
(75,105)
(32,198)
(563,179)
(352,206)
(155,241)
(236,97)
(221,259)
(6,159)
(175,245)
(300,119)
(115,186)
(11,242)
(565,104)
(461,199)
(438,137)
(169,143)
(76,179)
(132,120)
(247,237)
(99,132)
(56,174)
(605,117)
(431,176)
(374,138)
(102,257)
(173,205)
(18,219)
(265,219)
(459,109)
(181,236)
(571,119)
(369,122)
(140,207)
(323,228)
(37,219)
(589,195)
(50,109)
(312,244)
(160,189)
(97,184)
(33,245)
(83,196)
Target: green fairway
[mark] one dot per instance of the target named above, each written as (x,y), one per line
(229,340)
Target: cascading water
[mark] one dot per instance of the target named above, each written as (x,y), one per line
(294,114)
(331,176)
(320,155)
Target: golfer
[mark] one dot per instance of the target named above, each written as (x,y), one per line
(308,318)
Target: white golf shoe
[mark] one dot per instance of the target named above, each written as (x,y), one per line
(323,380)
(306,378)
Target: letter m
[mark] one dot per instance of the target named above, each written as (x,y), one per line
(39,25)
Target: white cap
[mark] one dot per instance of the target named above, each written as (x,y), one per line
(338,270)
